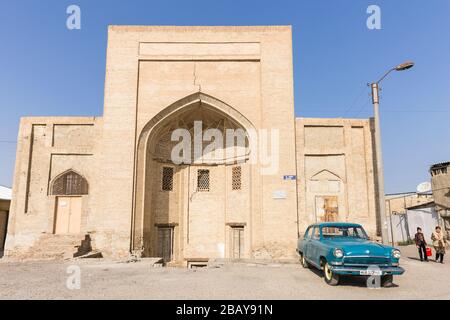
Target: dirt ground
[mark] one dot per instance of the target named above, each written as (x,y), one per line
(103,279)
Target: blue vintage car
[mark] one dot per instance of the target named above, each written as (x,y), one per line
(345,249)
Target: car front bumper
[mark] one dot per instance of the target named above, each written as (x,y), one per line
(356,271)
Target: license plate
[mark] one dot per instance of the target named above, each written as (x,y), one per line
(370,272)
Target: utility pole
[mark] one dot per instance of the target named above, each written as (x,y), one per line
(380,173)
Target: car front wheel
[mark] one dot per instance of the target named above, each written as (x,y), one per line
(331,278)
(303,261)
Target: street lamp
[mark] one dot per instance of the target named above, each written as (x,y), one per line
(376,103)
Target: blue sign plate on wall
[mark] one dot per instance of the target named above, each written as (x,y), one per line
(290,177)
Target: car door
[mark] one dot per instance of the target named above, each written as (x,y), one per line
(314,246)
(306,242)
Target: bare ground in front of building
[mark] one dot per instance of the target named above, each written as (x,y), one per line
(103,279)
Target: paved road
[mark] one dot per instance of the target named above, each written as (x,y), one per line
(102,279)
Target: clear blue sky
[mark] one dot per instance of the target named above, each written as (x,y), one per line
(45,69)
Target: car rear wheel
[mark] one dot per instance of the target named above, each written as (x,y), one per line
(331,278)
(387,280)
(303,261)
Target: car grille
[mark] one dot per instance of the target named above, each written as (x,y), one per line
(365,261)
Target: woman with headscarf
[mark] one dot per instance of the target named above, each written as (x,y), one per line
(439,244)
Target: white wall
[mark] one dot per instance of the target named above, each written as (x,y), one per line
(405,226)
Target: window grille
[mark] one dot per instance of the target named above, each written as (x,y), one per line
(236,174)
(70,183)
(167,179)
(203,180)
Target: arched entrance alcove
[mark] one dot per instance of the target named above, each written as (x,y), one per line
(68,189)
(195,206)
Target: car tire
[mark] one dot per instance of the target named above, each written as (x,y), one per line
(331,278)
(303,261)
(387,281)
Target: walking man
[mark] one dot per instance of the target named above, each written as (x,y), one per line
(421,244)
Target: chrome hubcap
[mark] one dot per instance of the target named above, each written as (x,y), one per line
(328,272)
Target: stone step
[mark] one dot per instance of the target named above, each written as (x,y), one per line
(59,239)
(56,244)
(90,255)
(56,247)
(61,236)
(41,256)
(52,253)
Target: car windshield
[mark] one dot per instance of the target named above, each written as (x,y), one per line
(344,231)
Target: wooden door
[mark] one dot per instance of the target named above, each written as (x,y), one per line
(327,209)
(237,239)
(165,243)
(75,215)
(68,215)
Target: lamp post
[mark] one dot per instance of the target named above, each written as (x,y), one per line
(376,104)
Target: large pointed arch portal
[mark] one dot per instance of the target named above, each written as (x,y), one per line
(199,208)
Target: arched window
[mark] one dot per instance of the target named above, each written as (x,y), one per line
(70,183)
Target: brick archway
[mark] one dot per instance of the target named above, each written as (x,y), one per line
(181,108)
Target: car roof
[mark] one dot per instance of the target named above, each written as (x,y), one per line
(335,224)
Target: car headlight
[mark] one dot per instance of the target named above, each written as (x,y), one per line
(338,253)
(396,254)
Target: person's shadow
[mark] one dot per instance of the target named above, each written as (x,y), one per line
(414,258)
